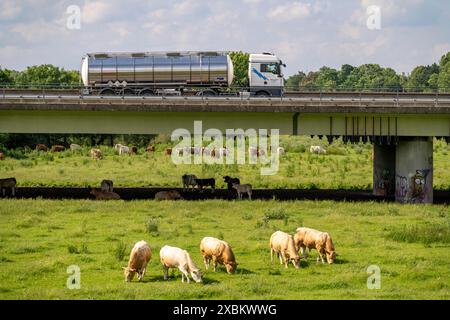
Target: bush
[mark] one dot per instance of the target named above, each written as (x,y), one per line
(152,226)
(120,250)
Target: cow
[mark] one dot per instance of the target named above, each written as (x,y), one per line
(188,181)
(139,257)
(168,151)
(168,195)
(74,147)
(317,149)
(8,183)
(252,151)
(314,239)
(280,151)
(106,185)
(223,152)
(133,150)
(211,182)
(103,195)
(41,147)
(173,257)
(220,252)
(124,150)
(150,149)
(117,146)
(229,181)
(243,188)
(96,154)
(283,245)
(260,152)
(2,155)
(57,148)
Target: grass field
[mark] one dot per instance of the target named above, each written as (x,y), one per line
(39,239)
(344,167)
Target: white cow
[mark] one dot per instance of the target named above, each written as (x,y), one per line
(75,147)
(124,150)
(173,257)
(283,245)
(317,149)
(280,151)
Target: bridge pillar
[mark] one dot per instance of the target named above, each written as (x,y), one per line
(383,170)
(414,170)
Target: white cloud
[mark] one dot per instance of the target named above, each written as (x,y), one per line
(95,11)
(9,9)
(37,31)
(290,11)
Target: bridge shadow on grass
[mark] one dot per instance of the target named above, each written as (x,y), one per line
(176,278)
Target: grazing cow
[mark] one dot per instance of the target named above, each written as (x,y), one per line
(2,155)
(139,257)
(283,245)
(96,154)
(314,239)
(106,185)
(252,151)
(189,180)
(41,147)
(57,148)
(133,150)
(168,195)
(124,150)
(317,149)
(208,182)
(150,149)
(243,188)
(173,257)
(168,151)
(117,146)
(103,195)
(229,181)
(8,183)
(74,147)
(220,252)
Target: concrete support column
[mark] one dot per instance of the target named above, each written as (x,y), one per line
(383,170)
(414,170)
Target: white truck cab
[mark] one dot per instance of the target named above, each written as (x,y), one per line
(265,76)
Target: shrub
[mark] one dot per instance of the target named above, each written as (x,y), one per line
(120,250)
(152,226)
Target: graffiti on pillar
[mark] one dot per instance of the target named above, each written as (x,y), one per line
(383,180)
(415,189)
(401,187)
(419,188)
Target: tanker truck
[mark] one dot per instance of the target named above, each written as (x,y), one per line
(207,73)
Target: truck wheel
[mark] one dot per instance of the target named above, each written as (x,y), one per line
(262,94)
(107,92)
(146,92)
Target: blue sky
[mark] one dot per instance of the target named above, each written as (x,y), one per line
(304,34)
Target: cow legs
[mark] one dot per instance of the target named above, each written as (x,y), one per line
(286,260)
(206,261)
(184,273)
(214,263)
(250,195)
(166,273)
(303,252)
(13,191)
(321,252)
(280,257)
(271,255)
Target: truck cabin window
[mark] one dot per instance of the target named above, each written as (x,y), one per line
(270,67)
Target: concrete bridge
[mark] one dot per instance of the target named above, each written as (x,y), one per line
(401,126)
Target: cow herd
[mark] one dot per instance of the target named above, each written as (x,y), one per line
(217,251)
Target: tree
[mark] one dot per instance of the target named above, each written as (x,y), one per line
(240,65)
(443,81)
(293,82)
(6,76)
(419,80)
(47,74)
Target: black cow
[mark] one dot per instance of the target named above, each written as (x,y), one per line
(229,181)
(209,182)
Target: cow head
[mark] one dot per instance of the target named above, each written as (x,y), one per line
(296,261)
(196,275)
(231,267)
(226,179)
(129,273)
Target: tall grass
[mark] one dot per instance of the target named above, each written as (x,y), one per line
(426,234)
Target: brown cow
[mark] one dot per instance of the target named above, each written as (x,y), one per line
(2,155)
(168,151)
(104,195)
(139,257)
(220,252)
(8,183)
(57,148)
(96,154)
(134,150)
(41,147)
(150,149)
(314,239)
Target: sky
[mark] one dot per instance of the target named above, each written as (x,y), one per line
(306,35)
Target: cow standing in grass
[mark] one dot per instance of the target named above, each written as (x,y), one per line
(41,147)
(8,183)
(317,150)
(189,180)
(220,252)
(96,154)
(243,188)
(208,182)
(75,147)
(106,185)
(314,239)
(229,181)
(283,245)
(139,257)
(57,148)
(173,257)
